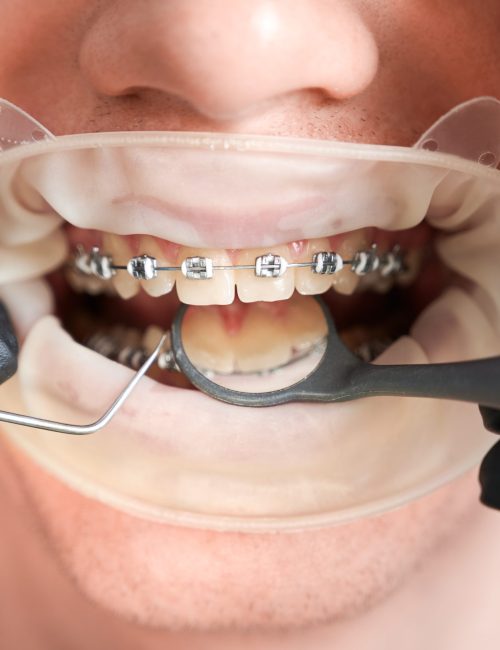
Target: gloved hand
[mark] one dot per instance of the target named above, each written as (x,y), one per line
(9,347)
(489,472)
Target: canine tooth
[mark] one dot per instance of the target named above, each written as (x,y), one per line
(218,290)
(345,281)
(251,288)
(307,282)
(120,251)
(164,281)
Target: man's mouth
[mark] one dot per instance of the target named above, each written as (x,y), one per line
(188,458)
(246,320)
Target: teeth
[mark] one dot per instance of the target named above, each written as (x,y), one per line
(218,290)
(252,288)
(208,276)
(306,282)
(116,246)
(345,281)
(151,337)
(165,280)
(88,283)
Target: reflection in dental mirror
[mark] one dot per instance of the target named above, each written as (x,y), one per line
(256,347)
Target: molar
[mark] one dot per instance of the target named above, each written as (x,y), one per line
(121,252)
(218,290)
(251,288)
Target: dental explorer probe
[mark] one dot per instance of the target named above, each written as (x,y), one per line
(8,366)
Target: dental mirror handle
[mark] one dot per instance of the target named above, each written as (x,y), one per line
(476,381)
(489,472)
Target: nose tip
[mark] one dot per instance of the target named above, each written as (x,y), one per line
(225,57)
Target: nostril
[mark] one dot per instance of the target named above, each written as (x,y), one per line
(226,58)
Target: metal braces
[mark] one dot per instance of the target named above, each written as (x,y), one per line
(132,356)
(144,267)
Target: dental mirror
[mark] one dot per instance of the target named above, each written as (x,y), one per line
(255,348)
(326,371)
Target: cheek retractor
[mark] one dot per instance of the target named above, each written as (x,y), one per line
(340,375)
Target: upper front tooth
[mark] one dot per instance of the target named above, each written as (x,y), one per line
(164,281)
(215,290)
(252,288)
(119,250)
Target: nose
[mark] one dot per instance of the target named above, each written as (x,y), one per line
(227,57)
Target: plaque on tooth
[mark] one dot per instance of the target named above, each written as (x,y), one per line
(142,267)
(197,268)
(270,266)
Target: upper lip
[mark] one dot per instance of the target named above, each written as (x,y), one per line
(223,228)
(186,193)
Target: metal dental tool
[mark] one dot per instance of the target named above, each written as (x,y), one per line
(8,367)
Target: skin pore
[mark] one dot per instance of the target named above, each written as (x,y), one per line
(374,71)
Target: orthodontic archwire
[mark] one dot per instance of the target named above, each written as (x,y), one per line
(145,267)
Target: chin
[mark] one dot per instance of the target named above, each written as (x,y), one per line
(188,579)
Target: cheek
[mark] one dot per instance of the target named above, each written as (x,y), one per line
(177,577)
